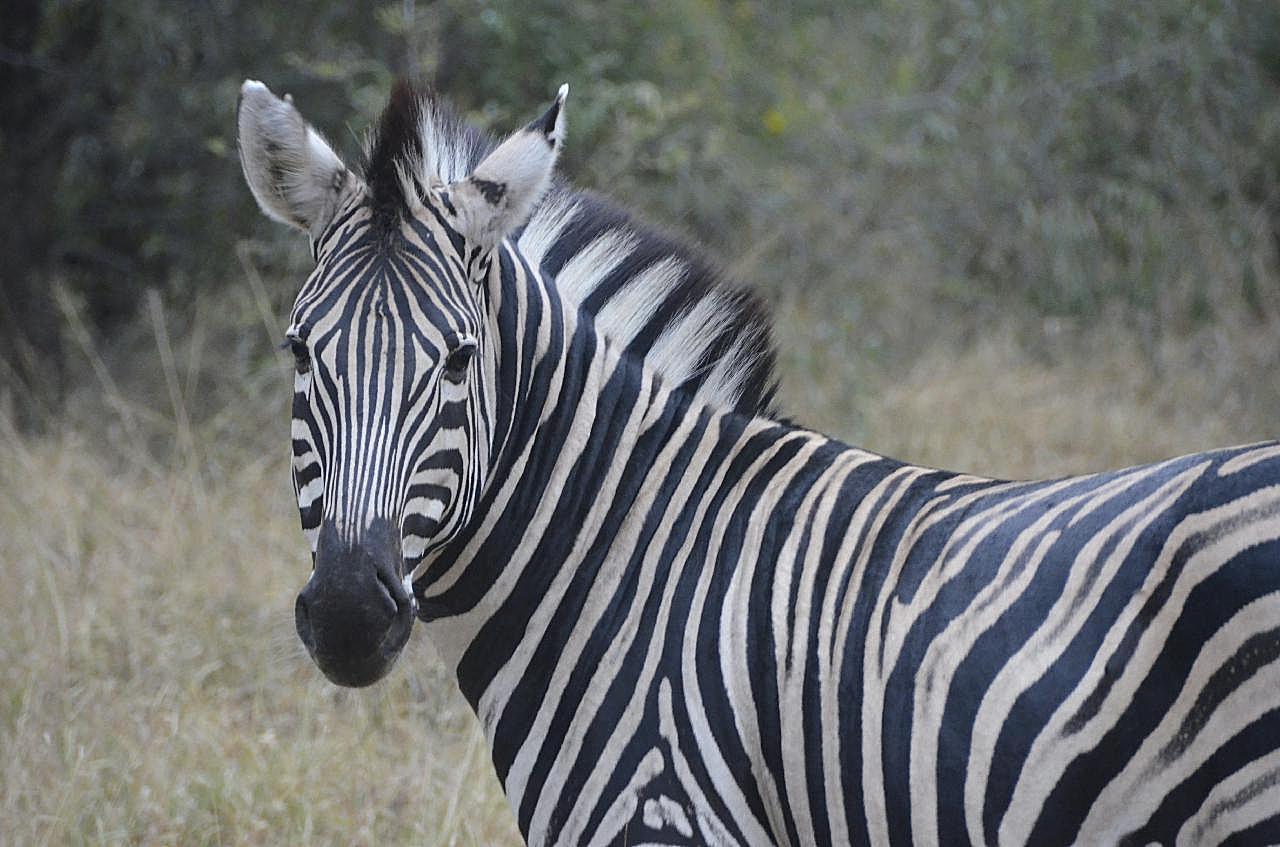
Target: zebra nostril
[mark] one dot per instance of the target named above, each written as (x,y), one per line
(387,586)
(302,620)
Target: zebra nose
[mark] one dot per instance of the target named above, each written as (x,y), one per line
(355,614)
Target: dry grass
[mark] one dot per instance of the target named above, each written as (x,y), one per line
(1033,399)
(154,691)
(996,411)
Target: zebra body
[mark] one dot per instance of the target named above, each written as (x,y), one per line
(682,621)
(791,641)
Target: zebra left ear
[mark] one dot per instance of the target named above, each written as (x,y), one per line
(503,189)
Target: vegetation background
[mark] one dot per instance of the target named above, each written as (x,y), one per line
(1016,238)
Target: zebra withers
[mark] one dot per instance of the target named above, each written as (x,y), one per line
(545,431)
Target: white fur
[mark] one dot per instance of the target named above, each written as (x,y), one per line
(581,274)
(679,350)
(630,309)
(445,156)
(548,221)
(407,581)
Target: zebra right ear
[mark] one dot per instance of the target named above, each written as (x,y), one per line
(504,188)
(294,175)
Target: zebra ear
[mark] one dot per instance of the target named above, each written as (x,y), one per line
(504,188)
(294,175)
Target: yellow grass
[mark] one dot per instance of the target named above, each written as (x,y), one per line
(1034,399)
(152,690)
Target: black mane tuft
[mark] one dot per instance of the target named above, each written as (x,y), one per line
(397,145)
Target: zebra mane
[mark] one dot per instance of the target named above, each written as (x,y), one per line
(644,289)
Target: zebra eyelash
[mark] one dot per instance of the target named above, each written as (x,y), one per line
(301,355)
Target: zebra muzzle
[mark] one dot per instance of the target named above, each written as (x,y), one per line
(356,612)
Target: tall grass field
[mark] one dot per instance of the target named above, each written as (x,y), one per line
(1013,239)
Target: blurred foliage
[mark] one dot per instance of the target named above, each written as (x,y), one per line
(909,158)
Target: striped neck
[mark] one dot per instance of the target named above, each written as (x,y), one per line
(567,403)
(592,533)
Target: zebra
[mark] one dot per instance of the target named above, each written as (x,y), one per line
(546,432)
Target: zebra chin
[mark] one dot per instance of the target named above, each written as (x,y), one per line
(355,613)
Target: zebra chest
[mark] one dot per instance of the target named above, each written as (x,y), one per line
(645,768)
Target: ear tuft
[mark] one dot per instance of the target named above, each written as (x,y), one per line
(551,124)
(293,173)
(504,188)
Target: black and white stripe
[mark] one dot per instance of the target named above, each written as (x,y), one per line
(681,621)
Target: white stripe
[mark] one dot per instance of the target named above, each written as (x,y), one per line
(581,274)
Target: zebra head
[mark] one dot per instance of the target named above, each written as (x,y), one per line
(393,337)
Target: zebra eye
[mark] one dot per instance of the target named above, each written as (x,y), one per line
(301,355)
(455,366)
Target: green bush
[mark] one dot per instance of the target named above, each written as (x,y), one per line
(897,157)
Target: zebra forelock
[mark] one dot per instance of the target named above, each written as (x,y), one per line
(647,291)
(419,138)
